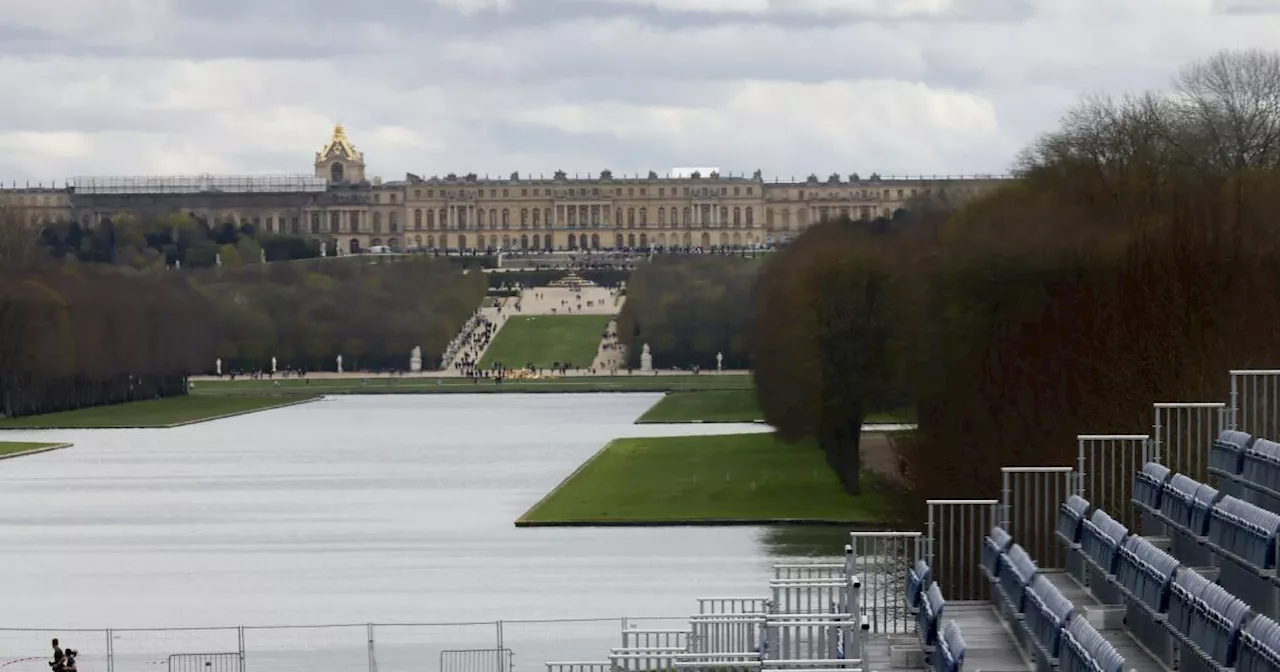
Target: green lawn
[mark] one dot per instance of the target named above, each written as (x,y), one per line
(542,340)
(153,413)
(736,477)
(731,405)
(11,447)
(705,406)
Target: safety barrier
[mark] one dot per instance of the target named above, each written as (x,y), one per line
(1255,402)
(1030,497)
(476,660)
(1183,433)
(1106,466)
(878,559)
(647,639)
(953,541)
(207,662)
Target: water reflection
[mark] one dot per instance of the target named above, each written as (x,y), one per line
(809,541)
(355,510)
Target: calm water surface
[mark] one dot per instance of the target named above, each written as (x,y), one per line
(383,509)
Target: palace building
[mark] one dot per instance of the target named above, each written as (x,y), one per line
(339,206)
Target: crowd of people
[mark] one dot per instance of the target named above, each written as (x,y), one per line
(473,343)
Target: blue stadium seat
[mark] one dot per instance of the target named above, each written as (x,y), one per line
(1259,646)
(1227,453)
(993,546)
(1101,540)
(1184,599)
(1245,530)
(1085,650)
(1261,464)
(1047,613)
(1071,516)
(1017,570)
(1179,500)
(1148,487)
(1146,572)
(918,579)
(1202,505)
(930,615)
(1216,624)
(949,656)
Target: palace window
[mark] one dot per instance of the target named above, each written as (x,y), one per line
(377,223)
(333,222)
(393,222)
(751,216)
(315,222)
(417,219)
(431,220)
(493,219)
(506,218)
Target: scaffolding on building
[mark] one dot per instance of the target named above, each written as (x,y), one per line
(199,184)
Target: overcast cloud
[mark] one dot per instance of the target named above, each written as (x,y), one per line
(792,87)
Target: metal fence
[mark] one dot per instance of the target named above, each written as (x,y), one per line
(1183,434)
(409,647)
(1255,401)
(880,560)
(1107,466)
(954,532)
(1029,509)
(476,660)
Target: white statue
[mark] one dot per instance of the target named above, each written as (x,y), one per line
(273,365)
(415,359)
(217,366)
(177,264)
(646,359)
(262,256)
(339,360)
(324,249)
(719,361)
(217,259)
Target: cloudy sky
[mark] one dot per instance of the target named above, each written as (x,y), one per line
(140,87)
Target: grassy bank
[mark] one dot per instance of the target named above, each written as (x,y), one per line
(429,385)
(166,412)
(731,405)
(707,480)
(542,340)
(15,447)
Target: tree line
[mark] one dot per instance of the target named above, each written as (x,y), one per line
(72,337)
(371,311)
(75,335)
(687,309)
(1134,260)
(154,241)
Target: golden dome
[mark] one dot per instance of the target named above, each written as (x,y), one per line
(339,145)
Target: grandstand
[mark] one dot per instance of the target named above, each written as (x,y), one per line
(1154,552)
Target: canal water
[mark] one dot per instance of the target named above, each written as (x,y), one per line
(352,510)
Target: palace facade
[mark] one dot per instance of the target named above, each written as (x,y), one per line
(337,205)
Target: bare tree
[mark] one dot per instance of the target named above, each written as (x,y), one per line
(1232,102)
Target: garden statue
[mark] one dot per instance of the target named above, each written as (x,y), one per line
(339,360)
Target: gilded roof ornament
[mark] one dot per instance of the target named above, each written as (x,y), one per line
(340,146)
